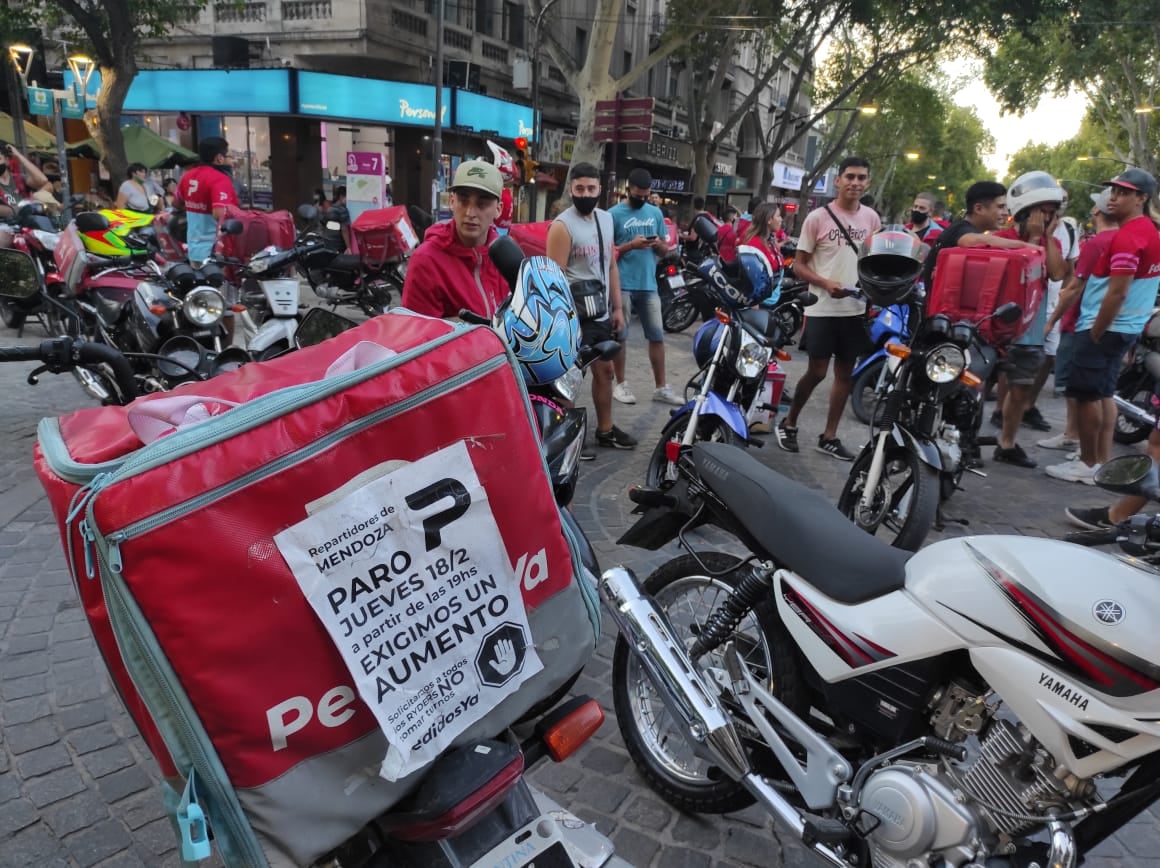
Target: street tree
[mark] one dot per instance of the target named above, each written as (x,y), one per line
(590,77)
(109,31)
(1107,50)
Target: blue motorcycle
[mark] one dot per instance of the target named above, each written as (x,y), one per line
(891,325)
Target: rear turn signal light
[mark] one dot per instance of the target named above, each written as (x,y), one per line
(899,351)
(784,356)
(671,270)
(238,308)
(158,309)
(722,316)
(672,451)
(564,736)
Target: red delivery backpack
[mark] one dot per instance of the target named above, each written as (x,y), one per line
(971,282)
(383,235)
(261,229)
(174,513)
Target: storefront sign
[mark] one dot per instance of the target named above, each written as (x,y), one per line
(670,185)
(719,185)
(509,119)
(567,145)
(661,151)
(365,174)
(724,167)
(322,94)
(202,91)
(791,177)
(549,149)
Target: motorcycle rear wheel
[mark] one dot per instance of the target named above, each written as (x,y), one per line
(654,739)
(864,392)
(676,316)
(10,316)
(1135,391)
(709,428)
(918,496)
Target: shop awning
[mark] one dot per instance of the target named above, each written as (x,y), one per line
(548,182)
(36,138)
(142,145)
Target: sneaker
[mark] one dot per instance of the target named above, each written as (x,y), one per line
(1096,518)
(623,394)
(787,438)
(1015,455)
(1034,419)
(834,449)
(587,453)
(615,439)
(997,418)
(666,395)
(1061,442)
(1073,471)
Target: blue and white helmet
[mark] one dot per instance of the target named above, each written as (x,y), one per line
(540,324)
(756,275)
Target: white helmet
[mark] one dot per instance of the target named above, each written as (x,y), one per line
(1031,189)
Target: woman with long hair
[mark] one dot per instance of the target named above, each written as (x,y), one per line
(762,233)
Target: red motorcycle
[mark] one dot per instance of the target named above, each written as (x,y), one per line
(35,235)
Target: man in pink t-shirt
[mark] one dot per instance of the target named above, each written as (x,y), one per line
(827,257)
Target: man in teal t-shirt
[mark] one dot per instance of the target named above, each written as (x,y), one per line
(641,238)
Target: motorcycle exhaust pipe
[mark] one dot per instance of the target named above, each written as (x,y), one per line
(1133,413)
(667,663)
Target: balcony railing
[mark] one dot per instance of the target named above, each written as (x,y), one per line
(239,13)
(457,39)
(493,52)
(408,22)
(306,10)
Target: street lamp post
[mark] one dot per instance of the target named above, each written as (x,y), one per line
(21,57)
(537,130)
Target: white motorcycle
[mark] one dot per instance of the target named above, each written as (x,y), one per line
(990,700)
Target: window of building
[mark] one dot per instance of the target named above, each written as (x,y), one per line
(627,63)
(513,23)
(581,44)
(485,17)
(674,84)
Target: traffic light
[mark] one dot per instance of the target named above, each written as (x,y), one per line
(530,167)
(522,144)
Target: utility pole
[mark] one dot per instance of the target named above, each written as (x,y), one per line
(437,136)
(537,126)
(15,100)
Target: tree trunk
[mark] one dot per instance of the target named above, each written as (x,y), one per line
(704,157)
(586,149)
(115,82)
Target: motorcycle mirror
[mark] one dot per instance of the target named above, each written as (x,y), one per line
(92,221)
(318,325)
(507,256)
(808,298)
(607,350)
(1008,313)
(233,227)
(704,228)
(19,278)
(309,213)
(1130,474)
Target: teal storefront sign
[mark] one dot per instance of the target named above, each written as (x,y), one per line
(39,101)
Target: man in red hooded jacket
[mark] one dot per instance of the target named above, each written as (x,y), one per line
(451,271)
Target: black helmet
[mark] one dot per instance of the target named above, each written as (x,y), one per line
(890,263)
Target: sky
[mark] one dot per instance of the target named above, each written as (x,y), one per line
(1052,121)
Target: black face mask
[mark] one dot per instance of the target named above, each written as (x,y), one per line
(636,201)
(585,204)
(918,217)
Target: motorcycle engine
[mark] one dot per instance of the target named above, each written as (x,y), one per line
(965,811)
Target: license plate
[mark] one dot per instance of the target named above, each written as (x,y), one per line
(676,281)
(539,844)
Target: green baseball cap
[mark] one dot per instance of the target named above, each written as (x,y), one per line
(478,175)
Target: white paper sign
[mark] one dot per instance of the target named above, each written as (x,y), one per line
(411,579)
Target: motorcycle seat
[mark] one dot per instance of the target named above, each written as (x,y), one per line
(800,529)
(345,262)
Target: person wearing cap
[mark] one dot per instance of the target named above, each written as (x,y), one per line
(451,271)
(1117,303)
(1065,314)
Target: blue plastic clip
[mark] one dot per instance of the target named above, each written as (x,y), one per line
(191,823)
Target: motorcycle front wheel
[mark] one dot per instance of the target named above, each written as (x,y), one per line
(10,316)
(709,428)
(864,395)
(656,740)
(906,503)
(1137,390)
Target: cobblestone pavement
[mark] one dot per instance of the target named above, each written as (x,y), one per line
(78,788)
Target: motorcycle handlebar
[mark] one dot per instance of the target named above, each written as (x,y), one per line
(63,354)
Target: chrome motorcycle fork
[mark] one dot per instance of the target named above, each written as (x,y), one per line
(874,473)
(706,388)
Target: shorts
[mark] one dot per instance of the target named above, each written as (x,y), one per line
(595,331)
(647,305)
(1051,340)
(839,337)
(1096,365)
(1022,364)
(1064,360)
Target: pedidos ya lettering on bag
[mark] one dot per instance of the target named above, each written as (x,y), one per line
(411,580)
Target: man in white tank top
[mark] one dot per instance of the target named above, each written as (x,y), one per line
(580,242)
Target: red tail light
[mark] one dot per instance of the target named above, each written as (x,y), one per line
(461,817)
(673,451)
(671,270)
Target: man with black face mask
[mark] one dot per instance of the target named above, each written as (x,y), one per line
(922,221)
(580,242)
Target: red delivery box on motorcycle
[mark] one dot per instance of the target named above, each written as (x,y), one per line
(310,576)
(383,234)
(970,283)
